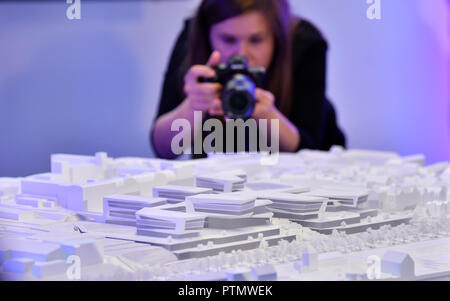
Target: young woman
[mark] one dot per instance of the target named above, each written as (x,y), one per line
(291,49)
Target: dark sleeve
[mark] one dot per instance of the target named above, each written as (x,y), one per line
(311,112)
(172,91)
(332,134)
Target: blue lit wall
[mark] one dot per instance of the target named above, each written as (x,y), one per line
(389,78)
(81,86)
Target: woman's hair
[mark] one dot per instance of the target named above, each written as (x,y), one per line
(277,12)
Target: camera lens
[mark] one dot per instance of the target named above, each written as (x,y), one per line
(239,97)
(239,101)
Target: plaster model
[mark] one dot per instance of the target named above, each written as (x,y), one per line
(337,215)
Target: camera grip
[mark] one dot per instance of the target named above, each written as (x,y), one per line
(207,79)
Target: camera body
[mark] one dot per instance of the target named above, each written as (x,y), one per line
(239,83)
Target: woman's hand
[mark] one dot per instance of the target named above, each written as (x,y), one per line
(204,97)
(288,135)
(265,104)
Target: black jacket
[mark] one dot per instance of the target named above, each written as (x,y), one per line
(311,112)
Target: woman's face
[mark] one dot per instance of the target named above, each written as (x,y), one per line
(249,35)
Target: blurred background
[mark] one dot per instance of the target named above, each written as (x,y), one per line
(88,85)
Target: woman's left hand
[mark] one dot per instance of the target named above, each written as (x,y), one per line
(265,104)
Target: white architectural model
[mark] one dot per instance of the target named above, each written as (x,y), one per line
(338,215)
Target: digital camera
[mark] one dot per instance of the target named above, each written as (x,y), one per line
(239,83)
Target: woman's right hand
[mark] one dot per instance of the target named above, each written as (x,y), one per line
(204,97)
